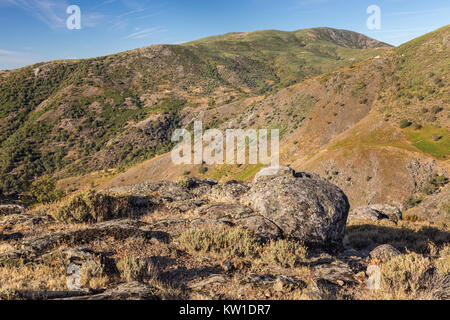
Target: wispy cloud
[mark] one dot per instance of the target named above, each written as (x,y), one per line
(14,59)
(420,12)
(53,12)
(145,33)
(50,12)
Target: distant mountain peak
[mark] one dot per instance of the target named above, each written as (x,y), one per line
(348,38)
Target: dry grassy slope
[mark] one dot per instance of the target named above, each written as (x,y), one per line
(374,160)
(345,125)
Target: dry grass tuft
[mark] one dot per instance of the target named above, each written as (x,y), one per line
(404,275)
(443,262)
(91,206)
(133,268)
(39,277)
(222,242)
(284,253)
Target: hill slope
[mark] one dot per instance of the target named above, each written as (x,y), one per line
(379,129)
(66,118)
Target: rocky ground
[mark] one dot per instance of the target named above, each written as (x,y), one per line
(286,235)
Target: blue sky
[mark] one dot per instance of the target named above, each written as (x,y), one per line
(35,30)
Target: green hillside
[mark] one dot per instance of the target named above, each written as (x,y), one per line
(67,118)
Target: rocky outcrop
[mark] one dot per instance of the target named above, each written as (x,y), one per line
(35,248)
(7,209)
(278,203)
(126,291)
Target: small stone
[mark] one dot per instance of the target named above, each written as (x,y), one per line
(335,272)
(227,266)
(208,281)
(284,283)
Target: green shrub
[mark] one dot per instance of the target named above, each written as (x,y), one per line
(202,170)
(436,109)
(443,263)
(417,126)
(405,124)
(434,184)
(91,206)
(224,242)
(404,275)
(44,191)
(284,253)
(135,269)
(411,203)
(187,183)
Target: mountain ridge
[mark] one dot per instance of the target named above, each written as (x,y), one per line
(74,117)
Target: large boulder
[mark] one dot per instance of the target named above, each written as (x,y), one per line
(305,207)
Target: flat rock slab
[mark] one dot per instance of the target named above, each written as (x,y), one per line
(127,291)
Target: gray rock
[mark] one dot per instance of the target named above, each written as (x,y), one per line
(7,209)
(304,207)
(285,284)
(118,229)
(214,279)
(186,205)
(336,272)
(365,214)
(230,191)
(394,213)
(258,280)
(375,212)
(127,291)
(261,227)
(384,252)
(271,172)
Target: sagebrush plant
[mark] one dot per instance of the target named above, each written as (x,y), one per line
(223,242)
(133,268)
(187,183)
(44,191)
(285,253)
(92,206)
(443,262)
(93,275)
(405,275)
